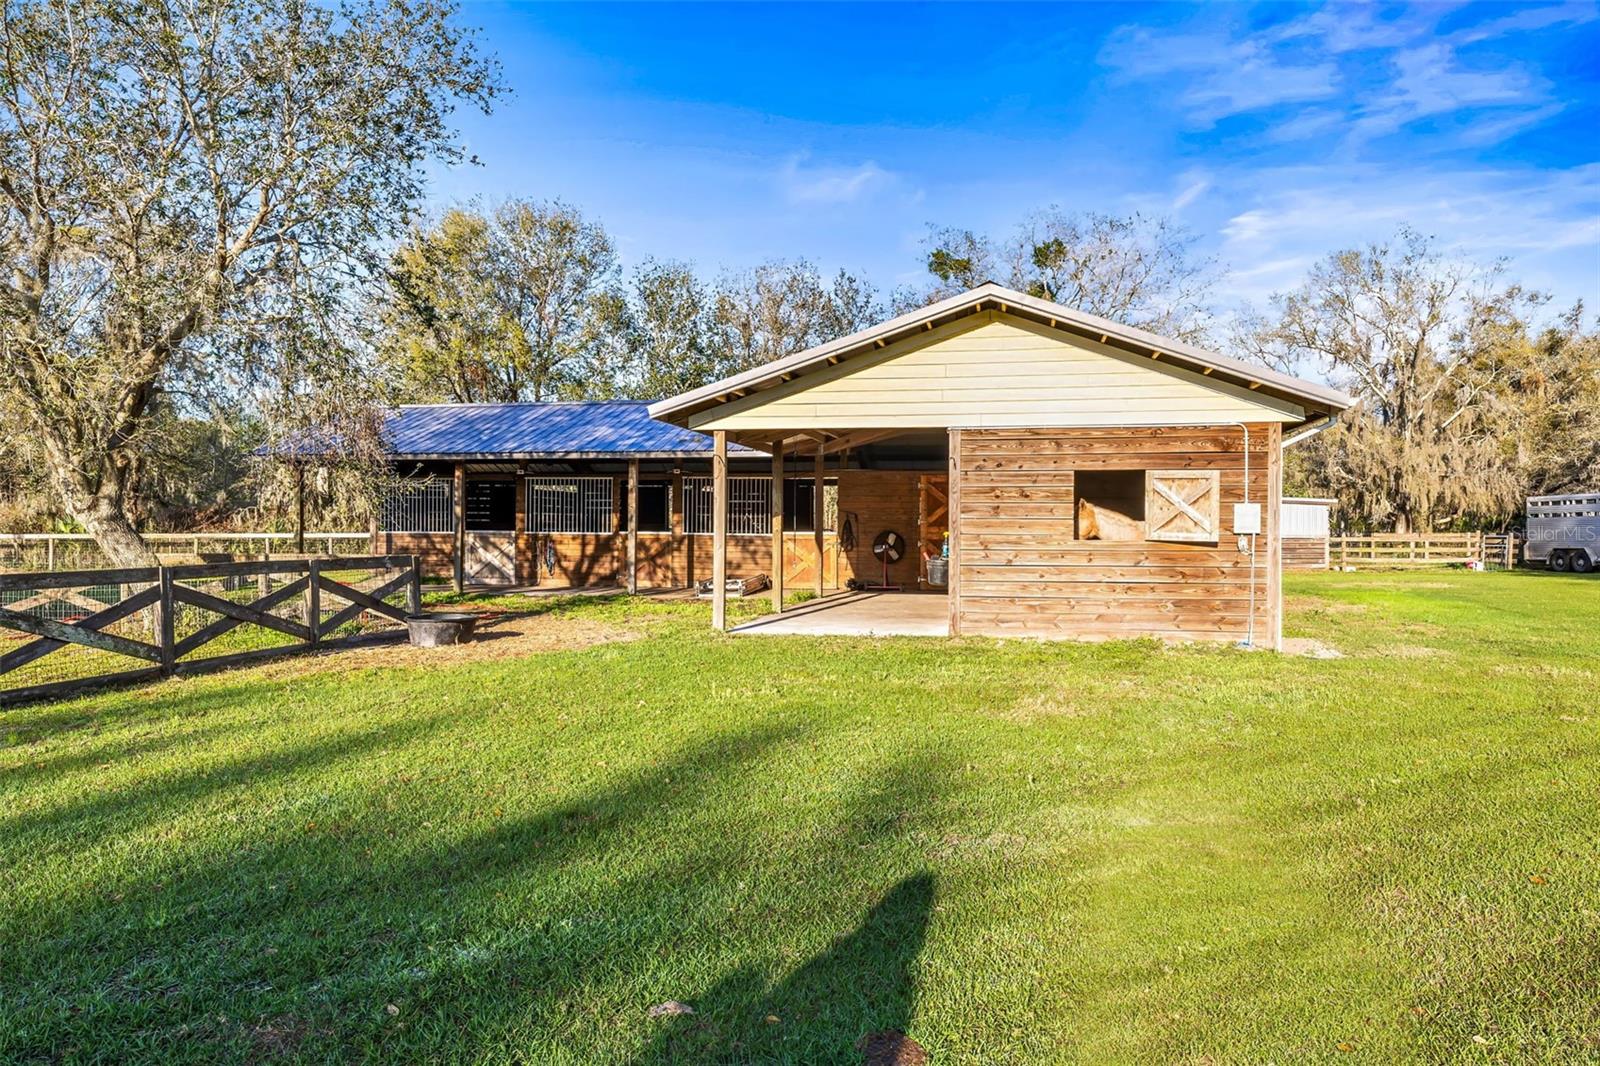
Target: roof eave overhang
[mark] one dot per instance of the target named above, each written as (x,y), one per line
(492,457)
(1319,401)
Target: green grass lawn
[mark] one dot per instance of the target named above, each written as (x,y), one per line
(1015,852)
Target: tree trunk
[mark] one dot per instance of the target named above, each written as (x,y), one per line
(102,509)
(107,521)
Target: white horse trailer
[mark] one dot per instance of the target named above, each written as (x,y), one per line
(1564,531)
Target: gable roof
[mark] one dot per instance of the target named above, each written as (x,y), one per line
(1319,400)
(587,430)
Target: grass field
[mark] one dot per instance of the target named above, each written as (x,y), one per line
(1015,852)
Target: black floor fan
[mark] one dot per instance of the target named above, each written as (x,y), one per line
(891,548)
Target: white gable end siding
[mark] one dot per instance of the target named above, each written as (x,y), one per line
(992,370)
(1304,519)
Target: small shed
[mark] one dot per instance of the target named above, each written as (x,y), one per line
(1304,522)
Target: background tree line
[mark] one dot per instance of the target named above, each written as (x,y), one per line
(1472,396)
(210,218)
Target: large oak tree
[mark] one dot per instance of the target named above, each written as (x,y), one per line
(1467,406)
(182,182)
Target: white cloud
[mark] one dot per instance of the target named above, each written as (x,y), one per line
(803,184)
(1313,123)
(1431,81)
(1493,130)
(1547,222)
(1351,28)
(1529,18)
(1189,194)
(1225,77)
(1222,70)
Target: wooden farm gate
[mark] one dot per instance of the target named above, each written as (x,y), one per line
(67,631)
(1495,551)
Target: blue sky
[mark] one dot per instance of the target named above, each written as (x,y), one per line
(728,135)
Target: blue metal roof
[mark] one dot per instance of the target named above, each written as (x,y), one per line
(529,430)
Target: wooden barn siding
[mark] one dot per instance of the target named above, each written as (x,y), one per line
(435,552)
(1022,572)
(1305,553)
(881,500)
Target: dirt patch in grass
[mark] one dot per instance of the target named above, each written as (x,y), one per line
(1052,704)
(1079,698)
(277,1039)
(1310,649)
(1410,651)
(1314,605)
(890,1048)
(499,636)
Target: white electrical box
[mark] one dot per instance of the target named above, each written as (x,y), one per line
(1247,518)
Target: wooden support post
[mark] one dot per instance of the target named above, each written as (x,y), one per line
(264,579)
(633,526)
(50,553)
(684,574)
(414,590)
(300,507)
(314,602)
(719,529)
(460,546)
(777,525)
(816,516)
(952,588)
(167,637)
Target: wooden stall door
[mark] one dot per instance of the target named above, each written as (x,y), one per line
(489,549)
(800,561)
(491,559)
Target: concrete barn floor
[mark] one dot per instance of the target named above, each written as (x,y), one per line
(859,614)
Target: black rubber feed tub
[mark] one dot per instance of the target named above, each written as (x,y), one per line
(438,630)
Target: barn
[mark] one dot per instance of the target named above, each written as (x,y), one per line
(579,495)
(1068,476)
(555,495)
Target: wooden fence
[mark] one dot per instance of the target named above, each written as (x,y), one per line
(78,551)
(1380,550)
(91,628)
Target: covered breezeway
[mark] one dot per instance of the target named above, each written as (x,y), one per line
(859,614)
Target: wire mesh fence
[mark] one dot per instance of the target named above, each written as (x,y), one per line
(69,629)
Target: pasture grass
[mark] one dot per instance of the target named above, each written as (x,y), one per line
(1012,851)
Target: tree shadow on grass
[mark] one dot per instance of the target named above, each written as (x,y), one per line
(107,811)
(178,961)
(494,937)
(155,701)
(850,1003)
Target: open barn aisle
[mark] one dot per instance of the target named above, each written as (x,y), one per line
(859,614)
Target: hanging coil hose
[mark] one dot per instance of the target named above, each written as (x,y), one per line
(549,556)
(847,532)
